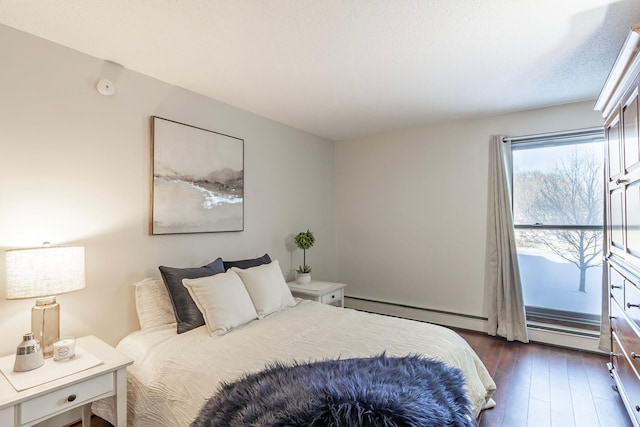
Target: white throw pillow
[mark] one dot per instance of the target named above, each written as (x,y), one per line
(153,304)
(223,301)
(267,287)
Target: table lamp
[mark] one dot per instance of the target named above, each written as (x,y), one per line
(42,273)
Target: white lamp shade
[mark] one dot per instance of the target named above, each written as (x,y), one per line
(45,271)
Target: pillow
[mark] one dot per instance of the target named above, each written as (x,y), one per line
(247,263)
(186,312)
(153,304)
(267,288)
(223,300)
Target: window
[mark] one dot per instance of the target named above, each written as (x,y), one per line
(558,215)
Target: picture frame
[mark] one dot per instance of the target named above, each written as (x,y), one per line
(197,179)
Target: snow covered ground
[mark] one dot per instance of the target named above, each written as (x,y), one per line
(548,281)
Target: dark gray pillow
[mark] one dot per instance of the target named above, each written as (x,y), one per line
(247,263)
(187,314)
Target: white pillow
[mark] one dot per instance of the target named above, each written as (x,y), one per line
(267,287)
(223,301)
(153,304)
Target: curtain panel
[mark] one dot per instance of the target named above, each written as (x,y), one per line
(507,316)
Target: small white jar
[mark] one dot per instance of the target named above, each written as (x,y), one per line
(64,348)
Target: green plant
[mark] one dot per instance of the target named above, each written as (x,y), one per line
(304,269)
(304,240)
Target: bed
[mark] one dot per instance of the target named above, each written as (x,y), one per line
(174,374)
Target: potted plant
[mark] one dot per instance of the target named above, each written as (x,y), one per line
(304,240)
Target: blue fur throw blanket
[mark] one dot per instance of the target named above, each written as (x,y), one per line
(372,392)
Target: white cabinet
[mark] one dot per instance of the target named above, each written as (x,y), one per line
(57,402)
(619,104)
(324,292)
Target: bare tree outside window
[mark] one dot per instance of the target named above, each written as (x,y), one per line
(557,200)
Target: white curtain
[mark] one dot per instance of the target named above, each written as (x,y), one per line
(502,277)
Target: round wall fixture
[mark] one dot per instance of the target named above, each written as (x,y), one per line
(106,87)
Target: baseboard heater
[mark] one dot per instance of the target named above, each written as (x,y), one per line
(575,339)
(420,314)
(413,307)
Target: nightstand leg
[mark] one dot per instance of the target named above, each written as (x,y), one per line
(121,397)
(86,415)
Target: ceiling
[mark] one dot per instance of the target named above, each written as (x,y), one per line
(351,68)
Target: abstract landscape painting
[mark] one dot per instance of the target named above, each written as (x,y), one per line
(198,180)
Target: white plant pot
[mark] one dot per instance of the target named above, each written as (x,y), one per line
(303,278)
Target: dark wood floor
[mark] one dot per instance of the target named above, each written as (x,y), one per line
(539,386)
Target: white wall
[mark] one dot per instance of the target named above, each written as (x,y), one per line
(408,208)
(75,168)
(411,208)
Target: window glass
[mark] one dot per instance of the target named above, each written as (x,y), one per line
(558,214)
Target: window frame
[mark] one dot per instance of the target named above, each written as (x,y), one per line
(545,315)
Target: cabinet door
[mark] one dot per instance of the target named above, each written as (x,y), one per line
(632,222)
(630,132)
(616,221)
(614,155)
(624,341)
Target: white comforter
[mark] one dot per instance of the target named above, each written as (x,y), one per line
(173,375)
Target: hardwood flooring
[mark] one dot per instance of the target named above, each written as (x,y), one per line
(540,386)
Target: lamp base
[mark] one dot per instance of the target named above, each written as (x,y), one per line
(45,323)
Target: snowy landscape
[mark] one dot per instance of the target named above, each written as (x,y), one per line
(550,282)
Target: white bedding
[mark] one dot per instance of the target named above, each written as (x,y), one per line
(173,375)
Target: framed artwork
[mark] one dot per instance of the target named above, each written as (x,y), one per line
(198,180)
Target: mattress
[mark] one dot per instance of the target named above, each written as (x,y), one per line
(173,375)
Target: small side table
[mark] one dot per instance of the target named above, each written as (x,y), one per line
(53,403)
(324,292)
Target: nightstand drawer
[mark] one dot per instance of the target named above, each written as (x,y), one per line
(6,416)
(332,297)
(322,292)
(64,399)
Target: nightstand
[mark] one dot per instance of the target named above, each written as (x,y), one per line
(324,292)
(60,402)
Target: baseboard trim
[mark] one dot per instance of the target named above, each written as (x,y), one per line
(577,341)
(565,339)
(440,317)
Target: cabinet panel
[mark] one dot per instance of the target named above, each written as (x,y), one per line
(613,149)
(627,336)
(616,219)
(616,283)
(632,306)
(632,223)
(630,132)
(627,375)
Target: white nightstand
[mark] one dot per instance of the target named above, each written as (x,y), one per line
(60,401)
(324,292)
